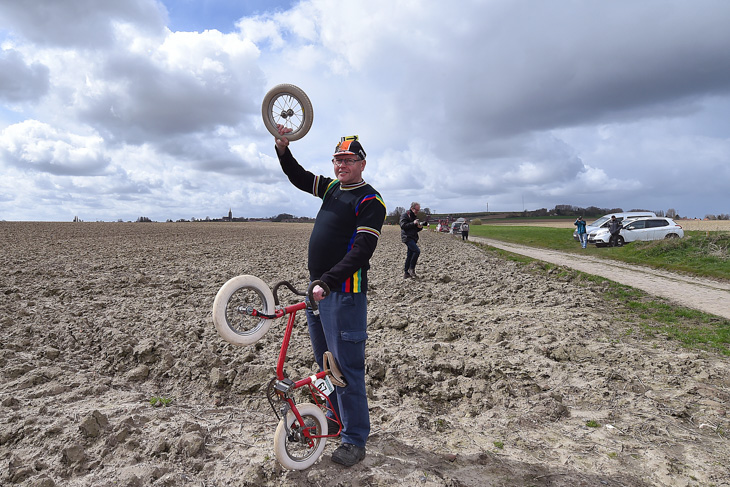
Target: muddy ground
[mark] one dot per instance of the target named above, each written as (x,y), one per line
(483,372)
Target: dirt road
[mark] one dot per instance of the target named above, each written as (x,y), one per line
(696,293)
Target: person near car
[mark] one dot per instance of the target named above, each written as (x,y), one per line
(409,228)
(465,230)
(614,227)
(582,235)
(344,237)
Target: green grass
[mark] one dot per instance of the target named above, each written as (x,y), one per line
(692,328)
(698,253)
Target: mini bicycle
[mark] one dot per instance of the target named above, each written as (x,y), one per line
(242,313)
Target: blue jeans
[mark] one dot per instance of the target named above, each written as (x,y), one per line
(412,255)
(341,328)
(583,239)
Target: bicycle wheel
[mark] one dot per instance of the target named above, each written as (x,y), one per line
(231,314)
(289,106)
(295,452)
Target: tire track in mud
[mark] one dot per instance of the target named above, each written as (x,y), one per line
(701,294)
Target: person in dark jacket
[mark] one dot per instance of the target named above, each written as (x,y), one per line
(345,234)
(409,228)
(614,228)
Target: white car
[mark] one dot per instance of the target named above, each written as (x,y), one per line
(636,229)
(605,220)
(456,226)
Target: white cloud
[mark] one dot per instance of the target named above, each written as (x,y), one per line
(613,104)
(37,146)
(19,81)
(79,23)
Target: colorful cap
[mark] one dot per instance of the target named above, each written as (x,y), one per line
(350,145)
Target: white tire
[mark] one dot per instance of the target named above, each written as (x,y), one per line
(229,316)
(298,455)
(289,106)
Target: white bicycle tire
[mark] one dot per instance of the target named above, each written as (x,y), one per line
(283,455)
(287,98)
(224,323)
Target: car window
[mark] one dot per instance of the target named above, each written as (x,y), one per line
(636,225)
(599,222)
(656,223)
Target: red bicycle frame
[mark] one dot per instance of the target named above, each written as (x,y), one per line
(284,385)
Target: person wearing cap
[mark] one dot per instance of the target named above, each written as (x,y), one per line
(409,228)
(344,237)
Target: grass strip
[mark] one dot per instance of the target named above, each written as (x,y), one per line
(704,254)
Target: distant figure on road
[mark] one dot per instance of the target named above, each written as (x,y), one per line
(582,235)
(465,230)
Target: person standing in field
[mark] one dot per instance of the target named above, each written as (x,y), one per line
(614,227)
(409,228)
(465,230)
(344,237)
(582,235)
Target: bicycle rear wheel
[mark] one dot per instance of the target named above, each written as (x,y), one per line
(232,305)
(289,106)
(296,451)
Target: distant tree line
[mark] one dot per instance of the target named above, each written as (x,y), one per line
(426,214)
(286,217)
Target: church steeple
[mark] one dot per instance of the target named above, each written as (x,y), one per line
(230,214)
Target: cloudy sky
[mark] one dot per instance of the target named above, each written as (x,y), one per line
(118,109)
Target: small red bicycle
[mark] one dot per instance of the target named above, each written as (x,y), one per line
(242,312)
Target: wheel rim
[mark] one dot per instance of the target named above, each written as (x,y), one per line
(286,109)
(299,449)
(237,317)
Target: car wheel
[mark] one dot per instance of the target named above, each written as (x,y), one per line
(620,242)
(671,235)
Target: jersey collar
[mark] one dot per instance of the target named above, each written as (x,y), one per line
(349,187)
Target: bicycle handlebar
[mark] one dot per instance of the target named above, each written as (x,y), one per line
(308,292)
(275,290)
(310,289)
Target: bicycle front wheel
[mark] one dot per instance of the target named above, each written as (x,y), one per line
(232,305)
(295,451)
(289,106)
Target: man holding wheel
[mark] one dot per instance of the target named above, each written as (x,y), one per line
(344,237)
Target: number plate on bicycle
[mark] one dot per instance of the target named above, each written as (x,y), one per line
(324,385)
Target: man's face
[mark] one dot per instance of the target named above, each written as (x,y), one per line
(416,209)
(348,169)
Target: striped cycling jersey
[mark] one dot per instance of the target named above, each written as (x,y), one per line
(346,230)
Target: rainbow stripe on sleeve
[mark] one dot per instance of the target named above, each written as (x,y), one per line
(370,230)
(367,198)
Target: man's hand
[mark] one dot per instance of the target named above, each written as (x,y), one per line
(418,223)
(318,293)
(282,142)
